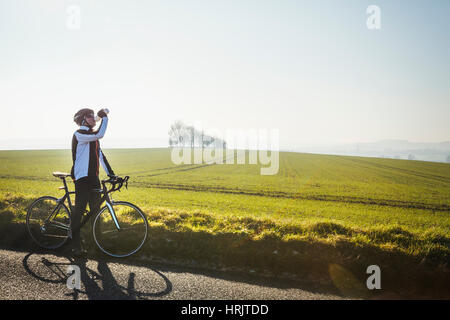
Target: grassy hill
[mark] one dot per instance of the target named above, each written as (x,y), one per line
(318,211)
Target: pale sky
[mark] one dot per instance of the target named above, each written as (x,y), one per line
(311,69)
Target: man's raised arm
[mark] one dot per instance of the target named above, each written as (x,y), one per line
(83,137)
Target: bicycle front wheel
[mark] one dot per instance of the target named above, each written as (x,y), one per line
(48,222)
(120,233)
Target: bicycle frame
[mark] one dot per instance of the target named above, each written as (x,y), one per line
(67,194)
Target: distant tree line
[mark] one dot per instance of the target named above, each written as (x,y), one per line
(183,135)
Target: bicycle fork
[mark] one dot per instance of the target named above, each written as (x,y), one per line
(113,215)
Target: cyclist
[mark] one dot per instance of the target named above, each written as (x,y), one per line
(86,156)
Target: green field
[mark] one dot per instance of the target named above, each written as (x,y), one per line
(340,209)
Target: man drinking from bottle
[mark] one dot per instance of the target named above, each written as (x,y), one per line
(87,157)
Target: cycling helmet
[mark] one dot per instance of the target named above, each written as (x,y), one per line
(80,115)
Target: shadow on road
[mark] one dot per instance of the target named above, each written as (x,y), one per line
(95,284)
(16,238)
(54,270)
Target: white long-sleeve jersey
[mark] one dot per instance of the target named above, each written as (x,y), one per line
(86,153)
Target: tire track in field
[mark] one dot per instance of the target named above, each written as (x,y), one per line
(177,168)
(273,194)
(172,171)
(410,172)
(162,169)
(278,194)
(286,195)
(183,167)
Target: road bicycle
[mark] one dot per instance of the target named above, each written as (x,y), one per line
(120,228)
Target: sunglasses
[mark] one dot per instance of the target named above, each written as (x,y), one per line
(90,116)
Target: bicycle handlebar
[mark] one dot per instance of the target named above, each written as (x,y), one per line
(116,180)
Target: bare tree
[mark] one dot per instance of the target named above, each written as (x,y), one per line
(181,134)
(177,133)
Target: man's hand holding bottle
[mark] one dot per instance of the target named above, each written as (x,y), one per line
(101,114)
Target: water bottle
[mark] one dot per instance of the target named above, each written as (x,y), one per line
(97,118)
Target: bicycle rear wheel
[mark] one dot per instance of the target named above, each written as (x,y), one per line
(48,222)
(124,235)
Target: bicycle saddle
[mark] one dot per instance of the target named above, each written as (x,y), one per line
(61,174)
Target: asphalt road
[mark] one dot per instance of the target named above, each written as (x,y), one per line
(25,275)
